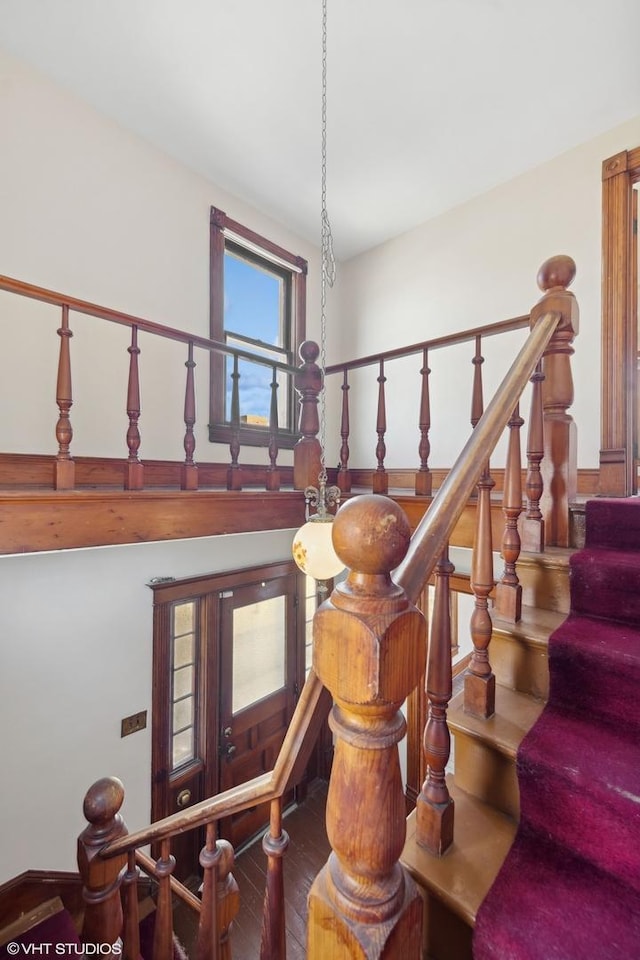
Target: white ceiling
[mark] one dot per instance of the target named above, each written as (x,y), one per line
(430,102)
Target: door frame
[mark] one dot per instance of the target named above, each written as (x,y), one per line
(619,390)
(164,781)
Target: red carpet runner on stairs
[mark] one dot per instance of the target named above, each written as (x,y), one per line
(570,886)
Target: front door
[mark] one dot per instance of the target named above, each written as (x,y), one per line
(260,674)
(228,663)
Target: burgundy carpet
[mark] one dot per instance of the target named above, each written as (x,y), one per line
(570,886)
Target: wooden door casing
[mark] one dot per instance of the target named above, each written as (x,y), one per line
(207,774)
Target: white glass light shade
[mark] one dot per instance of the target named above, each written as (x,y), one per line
(313,549)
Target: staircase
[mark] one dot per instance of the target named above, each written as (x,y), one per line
(568,887)
(484,783)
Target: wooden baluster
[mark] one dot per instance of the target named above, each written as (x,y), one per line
(308,384)
(64,476)
(559,464)
(228,898)
(380,479)
(344,474)
(533,521)
(508,601)
(131,932)
(163,929)
(434,807)
(189,478)
(479,681)
(208,934)
(273,474)
(274,844)
(477,402)
(423,476)
(134,477)
(234,474)
(369,650)
(101,879)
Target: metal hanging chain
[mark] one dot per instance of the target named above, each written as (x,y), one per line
(328,262)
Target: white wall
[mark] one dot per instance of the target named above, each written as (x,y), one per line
(76,659)
(92,211)
(474,265)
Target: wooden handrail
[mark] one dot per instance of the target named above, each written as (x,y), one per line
(450,339)
(436,527)
(310,711)
(11,285)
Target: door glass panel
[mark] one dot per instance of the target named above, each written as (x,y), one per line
(182,682)
(183,747)
(183,688)
(183,714)
(183,651)
(258,651)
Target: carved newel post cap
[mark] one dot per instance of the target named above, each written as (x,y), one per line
(103,800)
(371,534)
(309,351)
(557,271)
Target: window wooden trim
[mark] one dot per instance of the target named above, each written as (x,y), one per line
(221,228)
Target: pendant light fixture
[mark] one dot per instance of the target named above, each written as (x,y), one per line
(312,545)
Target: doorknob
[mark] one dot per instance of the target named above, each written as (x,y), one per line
(227,750)
(183,798)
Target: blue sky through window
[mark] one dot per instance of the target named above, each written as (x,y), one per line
(252,308)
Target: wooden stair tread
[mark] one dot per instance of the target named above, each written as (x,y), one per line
(462,877)
(534,628)
(515,715)
(30,919)
(557,557)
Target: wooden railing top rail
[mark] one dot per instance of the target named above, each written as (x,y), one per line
(19,287)
(436,527)
(294,754)
(450,339)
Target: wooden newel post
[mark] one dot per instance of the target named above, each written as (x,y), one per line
(101,879)
(369,651)
(307,452)
(559,464)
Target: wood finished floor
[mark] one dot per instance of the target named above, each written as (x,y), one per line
(307,853)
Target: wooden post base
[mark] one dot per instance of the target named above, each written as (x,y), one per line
(532,535)
(480,695)
(273,480)
(508,601)
(424,483)
(306,463)
(134,476)
(434,825)
(64,475)
(189,476)
(332,935)
(234,479)
(380,482)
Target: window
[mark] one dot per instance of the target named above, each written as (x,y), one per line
(258,299)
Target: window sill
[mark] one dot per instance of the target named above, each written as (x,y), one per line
(251,436)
